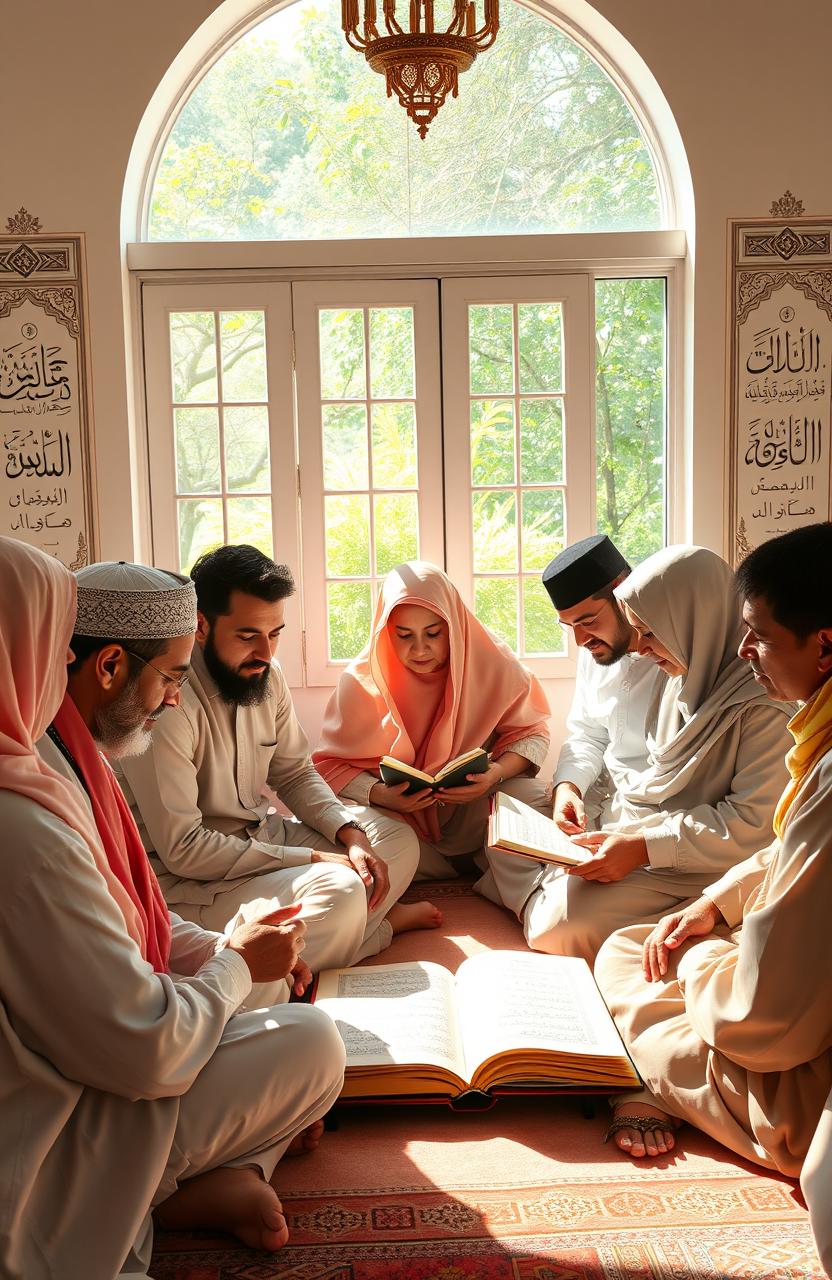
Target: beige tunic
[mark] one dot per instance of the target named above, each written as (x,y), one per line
(719,819)
(199,796)
(109,1073)
(737,1038)
(816,1184)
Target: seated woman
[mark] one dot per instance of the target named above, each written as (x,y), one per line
(717,744)
(431,684)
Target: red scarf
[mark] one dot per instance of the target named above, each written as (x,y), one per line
(119,836)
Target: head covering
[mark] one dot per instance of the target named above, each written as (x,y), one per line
(126,601)
(374,710)
(582,569)
(686,596)
(37,595)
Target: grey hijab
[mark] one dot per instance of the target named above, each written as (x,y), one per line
(686,596)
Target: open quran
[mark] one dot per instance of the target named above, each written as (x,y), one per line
(453,774)
(509,1022)
(515,827)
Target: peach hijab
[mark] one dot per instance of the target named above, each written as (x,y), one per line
(487,692)
(37,608)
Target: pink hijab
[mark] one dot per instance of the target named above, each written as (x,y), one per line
(487,693)
(37,608)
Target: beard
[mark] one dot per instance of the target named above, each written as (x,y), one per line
(119,729)
(235,687)
(615,650)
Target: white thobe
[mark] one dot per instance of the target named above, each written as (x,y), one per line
(199,796)
(116,1083)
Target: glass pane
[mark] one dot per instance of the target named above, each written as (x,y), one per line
(397,530)
(200,528)
(394,446)
(247,448)
(288,136)
(492,442)
(350,613)
(491,348)
(391,352)
(345,446)
(250,520)
(630,414)
(197,450)
(540,341)
(341,335)
(543,632)
(541,441)
(543,527)
(495,604)
(495,531)
(243,346)
(193,356)
(347,536)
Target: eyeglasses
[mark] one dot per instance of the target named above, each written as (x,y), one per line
(178,682)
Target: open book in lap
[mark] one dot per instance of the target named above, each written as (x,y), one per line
(453,774)
(508,1023)
(514,827)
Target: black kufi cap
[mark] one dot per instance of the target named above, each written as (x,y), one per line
(582,569)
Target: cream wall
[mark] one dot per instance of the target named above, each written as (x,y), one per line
(751,105)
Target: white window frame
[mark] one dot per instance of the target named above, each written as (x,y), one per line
(309,300)
(159,301)
(204,272)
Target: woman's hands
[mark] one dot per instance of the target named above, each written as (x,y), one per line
(479,784)
(695,921)
(394,798)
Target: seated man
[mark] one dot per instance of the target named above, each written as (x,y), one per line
(715,747)
(127,1078)
(199,791)
(724,1005)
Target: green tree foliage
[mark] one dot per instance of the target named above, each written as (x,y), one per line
(290,135)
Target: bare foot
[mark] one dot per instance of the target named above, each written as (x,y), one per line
(307,1140)
(236,1200)
(656,1140)
(414,915)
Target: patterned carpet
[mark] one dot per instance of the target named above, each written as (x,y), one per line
(525,1191)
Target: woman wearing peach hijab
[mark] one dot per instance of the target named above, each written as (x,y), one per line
(431,684)
(121,1085)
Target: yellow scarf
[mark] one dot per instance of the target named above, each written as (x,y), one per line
(811,729)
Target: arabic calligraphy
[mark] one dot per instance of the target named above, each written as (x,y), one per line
(47,452)
(31,371)
(794,440)
(777,350)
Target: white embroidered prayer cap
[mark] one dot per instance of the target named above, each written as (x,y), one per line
(126,601)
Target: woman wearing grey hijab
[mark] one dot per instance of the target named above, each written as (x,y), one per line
(717,746)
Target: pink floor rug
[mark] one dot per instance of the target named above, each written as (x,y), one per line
(525,1191)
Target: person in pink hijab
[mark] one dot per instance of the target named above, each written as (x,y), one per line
(128,1080)
(433,683)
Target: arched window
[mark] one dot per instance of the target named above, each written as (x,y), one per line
(289,136)
(478,374)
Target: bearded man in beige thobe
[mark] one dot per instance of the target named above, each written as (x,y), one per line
(199,794)
(724,1005)
(127,1077)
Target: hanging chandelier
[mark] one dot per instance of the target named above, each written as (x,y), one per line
(421,65)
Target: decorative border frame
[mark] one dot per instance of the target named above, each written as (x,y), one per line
(49,272)
(763,255)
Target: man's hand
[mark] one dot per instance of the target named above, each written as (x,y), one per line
(359,856)
(384,797)
(270,946)
(479,784)
(300,977)
(614,855)
(568,809)
(697,920)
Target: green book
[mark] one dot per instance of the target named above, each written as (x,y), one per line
(452,774)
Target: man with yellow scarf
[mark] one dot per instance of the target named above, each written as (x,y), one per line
(725,1005)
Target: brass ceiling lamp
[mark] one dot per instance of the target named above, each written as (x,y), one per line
(421,65)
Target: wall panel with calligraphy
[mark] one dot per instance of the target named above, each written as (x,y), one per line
(780,384)
(46,476)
